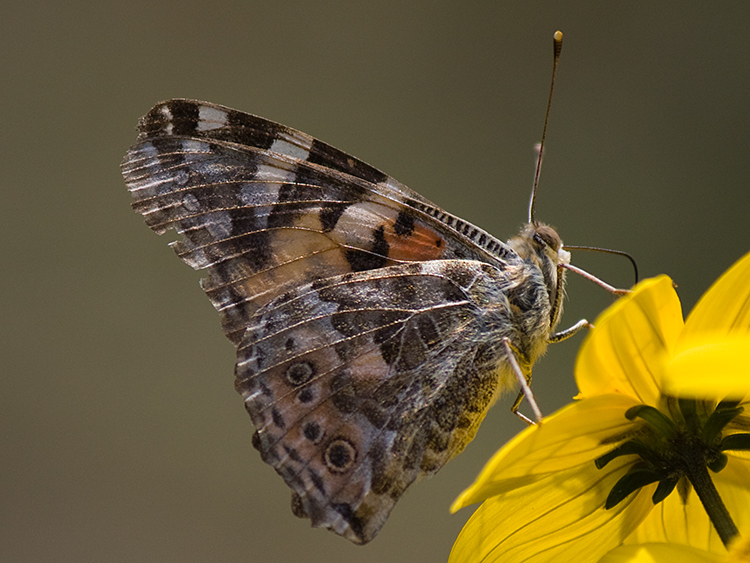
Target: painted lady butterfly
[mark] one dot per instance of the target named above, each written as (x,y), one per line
(373,329)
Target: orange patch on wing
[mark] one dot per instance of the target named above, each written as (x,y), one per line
(298,257)
(421,244)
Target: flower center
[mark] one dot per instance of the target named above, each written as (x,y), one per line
(670,447)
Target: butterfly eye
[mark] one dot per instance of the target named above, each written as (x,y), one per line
(546,236)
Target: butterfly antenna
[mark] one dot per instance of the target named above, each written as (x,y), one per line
(557,38)
(608,251)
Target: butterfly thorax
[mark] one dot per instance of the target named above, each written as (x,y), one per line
(541,248)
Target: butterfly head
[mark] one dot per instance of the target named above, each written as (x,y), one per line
(540,245)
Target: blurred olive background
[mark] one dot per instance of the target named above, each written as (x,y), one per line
(122,438)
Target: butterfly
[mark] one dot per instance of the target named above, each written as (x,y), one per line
(373,329)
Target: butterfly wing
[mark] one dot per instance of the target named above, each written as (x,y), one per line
(265,208)
(360,384)
(367,319)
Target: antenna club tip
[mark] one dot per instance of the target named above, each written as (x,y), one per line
(557,38)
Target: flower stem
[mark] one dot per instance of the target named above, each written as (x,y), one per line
(712,503)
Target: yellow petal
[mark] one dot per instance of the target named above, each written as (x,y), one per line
(559,518)
(726,305)
(625,352)
(576,434)
(683,520)
(659,553)
(739,550)
(716,366)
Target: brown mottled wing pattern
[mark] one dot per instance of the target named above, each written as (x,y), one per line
(264,207)
(367,319)
(360,384)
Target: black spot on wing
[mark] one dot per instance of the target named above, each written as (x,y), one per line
(340,455)
(247,237)
(250,130)
(355,522)
(185,117)
(300,373)
(330,157)
(277,418)
(293,201)
(307,395)
(390,347)
(240,127)
(312,431)
(377,257)
(330,214)
(180,119)
(293,454)
(316,189)
(317,480)
(287,208)
(404,225)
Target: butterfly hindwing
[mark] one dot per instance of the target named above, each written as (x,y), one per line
(360,384)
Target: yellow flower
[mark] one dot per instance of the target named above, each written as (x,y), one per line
(611,468)
(662,552)
(739,552)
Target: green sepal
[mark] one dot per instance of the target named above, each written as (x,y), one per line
(655,418)
(664,489)
(689,410)
(631,447)
(719,463)
(637,476)
(717,421)
(728,404)
(735,442)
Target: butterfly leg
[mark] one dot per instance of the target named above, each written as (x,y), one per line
(568,332)
(524,380)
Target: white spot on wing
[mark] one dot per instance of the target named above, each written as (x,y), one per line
(259,193)
(148,150)
(211,118)
(268,173)
(165,111)
(285,147)
(193,151)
